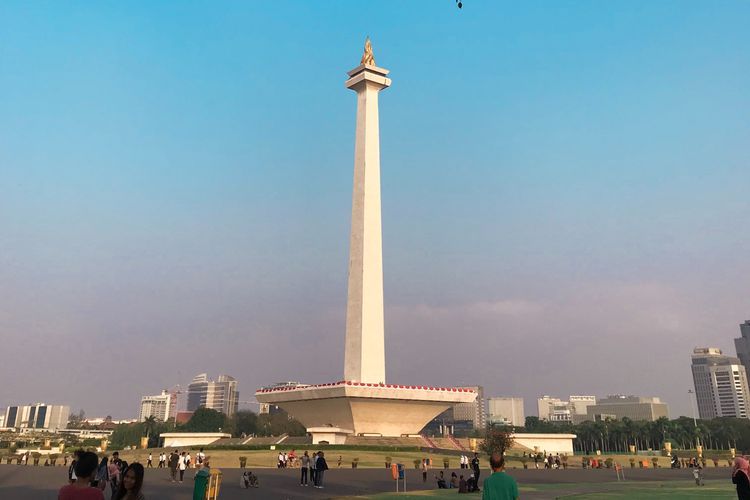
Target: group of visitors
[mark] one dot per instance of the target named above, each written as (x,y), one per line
(180,462)
(313,466)
(88,478)
(287,460)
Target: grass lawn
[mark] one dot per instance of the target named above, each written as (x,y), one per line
(673,490)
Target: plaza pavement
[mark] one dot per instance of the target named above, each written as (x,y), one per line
(18,482)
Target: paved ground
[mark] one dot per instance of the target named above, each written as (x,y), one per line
(18,482)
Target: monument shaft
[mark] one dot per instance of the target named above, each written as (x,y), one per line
(364,356)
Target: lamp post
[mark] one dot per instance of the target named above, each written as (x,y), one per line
(695,421)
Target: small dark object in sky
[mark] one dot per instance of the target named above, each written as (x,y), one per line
(459,4)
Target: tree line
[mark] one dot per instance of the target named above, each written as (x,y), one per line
(242,423)
(618,435)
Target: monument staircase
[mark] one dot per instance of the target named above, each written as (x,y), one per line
(383,441)
(429,442)
(456,442)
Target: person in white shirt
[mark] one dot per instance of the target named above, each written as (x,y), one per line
(182,465)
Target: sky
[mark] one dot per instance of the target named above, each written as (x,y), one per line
(564,189)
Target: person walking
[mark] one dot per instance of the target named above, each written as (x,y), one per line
(183,462)
(131,484)
(148,461)
(499,486)
(174,460)
(85,468)
(303,469)
(320,466)
(741,477)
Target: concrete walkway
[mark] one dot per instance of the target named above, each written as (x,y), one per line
(18,482)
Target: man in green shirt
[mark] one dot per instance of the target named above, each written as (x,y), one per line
(499,486)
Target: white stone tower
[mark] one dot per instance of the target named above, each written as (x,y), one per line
(364,357)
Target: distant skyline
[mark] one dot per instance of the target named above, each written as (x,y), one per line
(564,192)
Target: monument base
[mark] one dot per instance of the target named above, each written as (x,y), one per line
(333,411)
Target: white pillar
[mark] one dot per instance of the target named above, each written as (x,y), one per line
(364,356)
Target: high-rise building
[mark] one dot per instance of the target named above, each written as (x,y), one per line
(220,395)
(506,411)
(619,406)
(742,345)
(161,406)
(37,416)
(473,412)
(721,388)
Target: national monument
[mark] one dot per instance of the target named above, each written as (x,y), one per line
(363,403)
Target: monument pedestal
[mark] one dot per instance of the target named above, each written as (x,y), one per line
(334,411)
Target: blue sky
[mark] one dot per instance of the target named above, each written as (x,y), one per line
(564,192)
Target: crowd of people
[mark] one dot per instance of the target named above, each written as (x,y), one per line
(88,478)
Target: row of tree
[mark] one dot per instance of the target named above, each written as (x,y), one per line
(618,435)
(242,423)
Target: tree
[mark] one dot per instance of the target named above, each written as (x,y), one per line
(245,422)
(496,441)
(149,425)
(76,419)
(206,420)
(278,424)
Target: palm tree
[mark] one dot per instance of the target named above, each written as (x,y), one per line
(149,425)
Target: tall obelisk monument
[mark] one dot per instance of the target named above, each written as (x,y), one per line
(364,357)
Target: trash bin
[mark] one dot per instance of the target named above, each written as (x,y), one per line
(200,488)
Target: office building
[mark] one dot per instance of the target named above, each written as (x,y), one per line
(742,345)
(161,406)
(505,411)
(545,406)
(556,410)
(220,395)
(618,406)
(37,416)
(473,412)
(721,388)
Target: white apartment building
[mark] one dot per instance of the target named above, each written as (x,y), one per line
(721,387)
(506,411)
(161,406)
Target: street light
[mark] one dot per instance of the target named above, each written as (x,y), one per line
(693,404)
